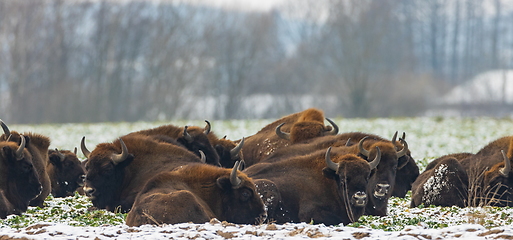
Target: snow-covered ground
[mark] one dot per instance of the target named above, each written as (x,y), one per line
(428,138)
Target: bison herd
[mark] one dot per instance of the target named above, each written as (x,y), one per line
(296,169)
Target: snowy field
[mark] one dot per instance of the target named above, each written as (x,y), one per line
(428,138)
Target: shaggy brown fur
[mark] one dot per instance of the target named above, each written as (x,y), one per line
(265,142)
(196,193)
(37,145)
(110,184)
(66,174)
(175,135)
(310,191)
(19,180)
(444,184)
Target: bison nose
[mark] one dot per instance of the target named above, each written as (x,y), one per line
(360,199)
(381,190)
(89,191)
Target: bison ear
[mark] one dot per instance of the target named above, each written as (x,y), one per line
(224,183)
(126,162)
(329,173)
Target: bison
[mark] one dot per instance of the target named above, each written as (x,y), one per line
(65,171)
(407,169)
(444,184)
(301,126)
(117,171)
(20,180)
(197,193)
(323,187)
(191,137)
(382,178)
(37,145)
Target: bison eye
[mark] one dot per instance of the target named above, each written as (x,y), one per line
(26,168)
(245,195)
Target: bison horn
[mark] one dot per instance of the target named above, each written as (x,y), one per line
(236,150)
(348,143)
(360,147)
(61,156)
(75,151)
(118,158)
(333,131)
(331,165)
(207,128)
(5,128)
(203,158)
(281,134)
(405,148)
(376,160)
(19,152)
(394,138)
(85,151)
(507,165)
(187,136)
(233,176)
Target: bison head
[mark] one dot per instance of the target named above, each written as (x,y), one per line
(229,152)
(351,174)
(497,184)
(240,202)
(196,139)
(383,176)
(65,171)
(22,181)
(105,169)
(407,170)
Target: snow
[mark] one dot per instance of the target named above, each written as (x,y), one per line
(428,138)
(492,86)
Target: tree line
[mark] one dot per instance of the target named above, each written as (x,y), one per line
(106,60)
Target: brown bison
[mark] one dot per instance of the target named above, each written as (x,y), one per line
(20,181)
(301,126)
(65,171)
(117,171)
(407,169)
(444,184)
(324,187)
(191,137)
(382,178)
(197,193)
(37,145)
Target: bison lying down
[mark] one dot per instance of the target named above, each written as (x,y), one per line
(197,193)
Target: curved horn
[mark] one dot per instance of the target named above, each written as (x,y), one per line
(233,176)
(5,128)
(236,150)
(507,165)
(203,158)
(118,158)
(61,156)
(405,148)
(360,147)
(376,160)
(19,152)
(187,136)
(282,135)
(404,136)
(85,151)
(348,143)
(75,151)
(333,166)
(207,128)
(394,137)
(333,131)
